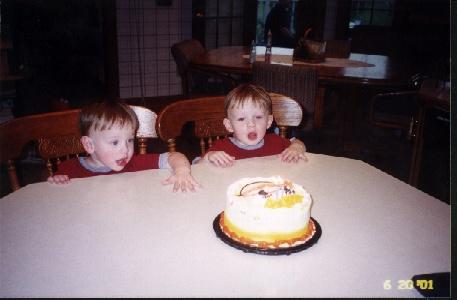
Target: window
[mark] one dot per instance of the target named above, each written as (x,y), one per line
(371,12)
(263,8)
(218,22)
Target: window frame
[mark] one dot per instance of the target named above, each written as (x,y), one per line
(201,19)
(372,10)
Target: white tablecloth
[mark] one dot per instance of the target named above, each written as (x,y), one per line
(127,235)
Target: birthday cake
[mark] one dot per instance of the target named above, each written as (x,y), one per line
(267,213)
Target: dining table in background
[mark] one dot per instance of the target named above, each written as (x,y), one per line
(371,72)
(126,235)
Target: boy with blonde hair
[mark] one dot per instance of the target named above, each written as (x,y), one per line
(248,115)
(108,134)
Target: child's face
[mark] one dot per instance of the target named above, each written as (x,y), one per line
(248,123)
(112,147)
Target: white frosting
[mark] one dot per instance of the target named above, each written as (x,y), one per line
(249,213)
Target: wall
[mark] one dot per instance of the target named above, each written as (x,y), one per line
(145,33)
(330,20)
(58,46)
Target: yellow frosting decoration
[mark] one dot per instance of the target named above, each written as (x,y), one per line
(285,201)
(265,237)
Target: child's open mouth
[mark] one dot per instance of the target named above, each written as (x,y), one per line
(121,162)
(252,136)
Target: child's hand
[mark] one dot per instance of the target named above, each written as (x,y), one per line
(182,180)
(220,158)
(294,153)
(59,179)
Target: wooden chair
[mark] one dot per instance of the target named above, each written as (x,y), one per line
(297,83)
(208,113)
(172,118)
(196,82)
(395,120)
(396,110)
(207,130)
(54,149)
(146,129)
(17,133)
(57,136)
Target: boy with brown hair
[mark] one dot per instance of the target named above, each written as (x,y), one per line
(248,111)
(108,134)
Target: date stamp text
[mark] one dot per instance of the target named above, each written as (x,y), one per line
(408,284)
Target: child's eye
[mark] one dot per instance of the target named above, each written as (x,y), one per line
(240,119)
(131,140)
(259,117)
(115,142)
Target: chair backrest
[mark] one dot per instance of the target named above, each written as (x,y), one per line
(207,130)
(17,133)
(436,88)
(338,48)
(54,149)
(298,82)
(173,117)
(398,109)
(208,114)
(58,137)
(147,126)
(183,53)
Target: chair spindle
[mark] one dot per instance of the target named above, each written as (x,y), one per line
(172,145)
(13,175)
(142,145)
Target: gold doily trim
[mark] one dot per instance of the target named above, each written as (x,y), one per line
(267,245)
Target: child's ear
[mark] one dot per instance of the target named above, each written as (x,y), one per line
(228,125)
(88,144)
(270,120)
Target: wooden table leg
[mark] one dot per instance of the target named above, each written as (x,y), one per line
(417,148)
(319,107)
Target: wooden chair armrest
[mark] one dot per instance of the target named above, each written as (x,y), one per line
(393,109)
